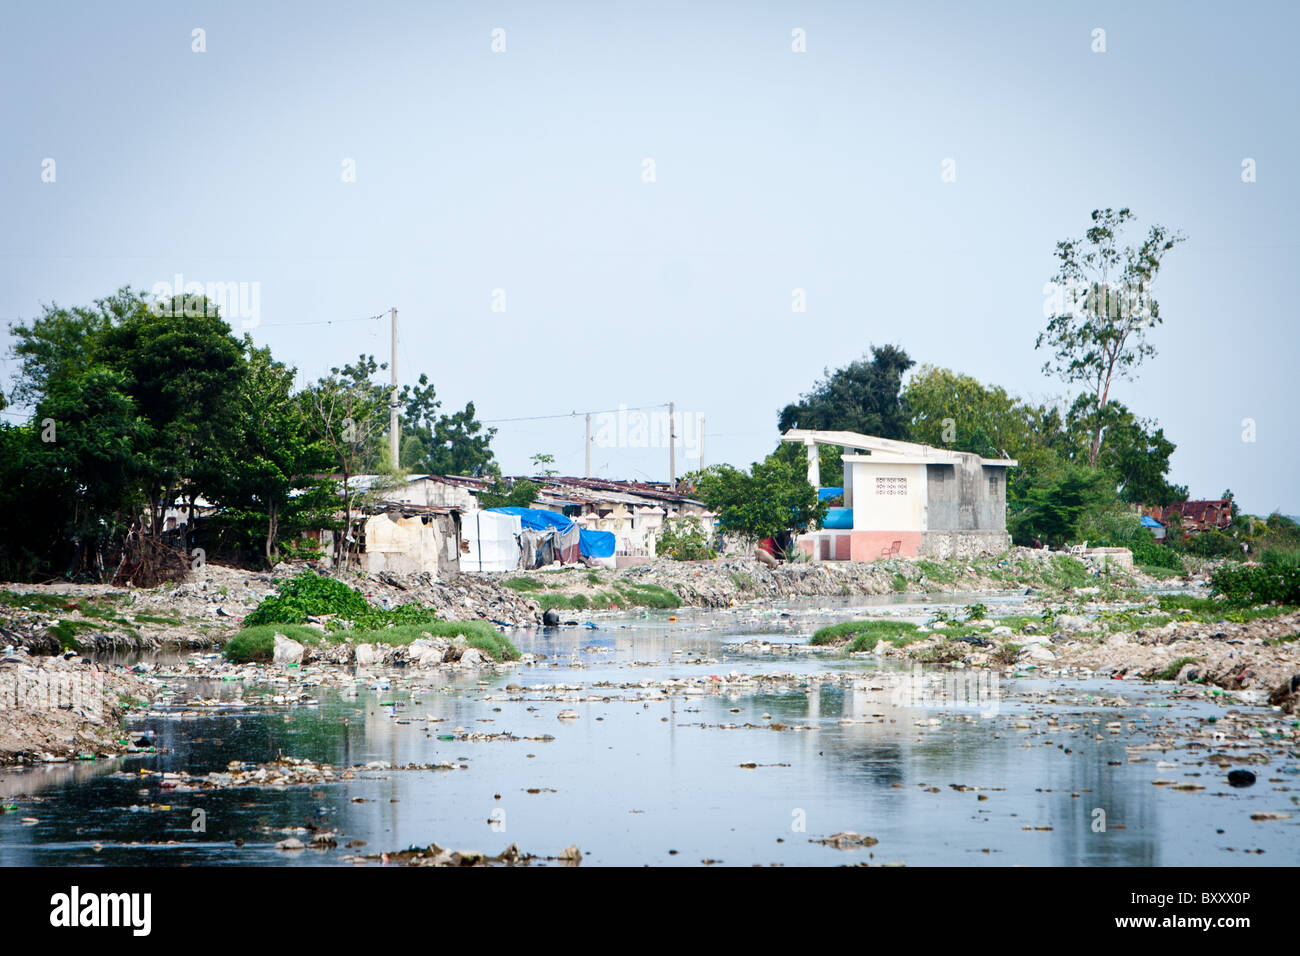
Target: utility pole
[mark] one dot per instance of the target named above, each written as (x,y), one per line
(672,446)
(703,435)
(588,445)
(394,439)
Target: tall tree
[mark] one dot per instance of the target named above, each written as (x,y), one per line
(455,444)
(347,413)
(862,397)
(1103,306)
(266,477)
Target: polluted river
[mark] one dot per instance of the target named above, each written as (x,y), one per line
(696,737)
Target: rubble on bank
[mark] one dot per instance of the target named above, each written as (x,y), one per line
(54,709)
(1259,659)
(207,608)
(434,855)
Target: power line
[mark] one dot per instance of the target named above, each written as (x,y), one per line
(603,411)
(282,325)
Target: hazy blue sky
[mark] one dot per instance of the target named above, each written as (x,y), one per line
(774,170)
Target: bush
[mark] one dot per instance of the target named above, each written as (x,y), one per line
(1281,557)
(1113,529)
(1257,584)
(307,595)
(685,540)
(1213,544)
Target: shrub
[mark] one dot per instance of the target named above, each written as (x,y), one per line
(306,595)
(685,540)
(1112,529)
(1257,584)
(1213,544)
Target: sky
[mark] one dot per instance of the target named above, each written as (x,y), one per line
(577,207)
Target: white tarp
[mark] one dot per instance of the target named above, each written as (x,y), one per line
(493,540)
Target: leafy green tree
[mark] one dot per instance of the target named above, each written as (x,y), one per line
(503,493)
(1104,307)
(266,477)
(434,444)
(541,459)
(946,409)
(1054,507)
(183,369)
(132,399)
(347,414)
(862,397)
(773,500)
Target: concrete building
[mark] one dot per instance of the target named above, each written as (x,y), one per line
(907,500)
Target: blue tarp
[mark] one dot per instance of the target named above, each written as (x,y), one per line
(825,494)
(538,518)
(596,544)
(1150,522)
(838,519)
(591,544)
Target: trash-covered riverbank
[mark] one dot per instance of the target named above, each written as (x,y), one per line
(706,740)
(56,709)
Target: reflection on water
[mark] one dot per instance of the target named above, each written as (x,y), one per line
(641,774)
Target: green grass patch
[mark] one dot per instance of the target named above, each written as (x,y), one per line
(522,584)
(478,634)
(1172,670)
(1064,571)
(1157,572)
(155,619)
(936,572)
(563,602)
(34,602)
(865,635)
(257,643)
(1018,622)
(647,595)
(899,583)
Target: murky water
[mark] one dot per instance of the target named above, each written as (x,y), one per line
(642,777)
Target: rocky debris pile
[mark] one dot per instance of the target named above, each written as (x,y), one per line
(465,597)
(847,840)
(734,580)
(282,773)
(428,651)
(434,855)
(54,709)
(1259,658)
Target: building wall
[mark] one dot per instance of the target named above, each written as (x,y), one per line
(888,496)
(430,491)
(411,545)
(966,497)
(962,544)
